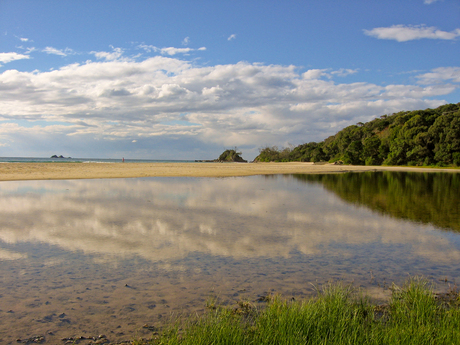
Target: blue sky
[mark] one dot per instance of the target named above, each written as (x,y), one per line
(188,79)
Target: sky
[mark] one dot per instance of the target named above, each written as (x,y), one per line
(188,79)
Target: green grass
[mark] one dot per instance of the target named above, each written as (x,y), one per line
(338,315)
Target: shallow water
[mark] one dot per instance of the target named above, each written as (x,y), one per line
(89,257)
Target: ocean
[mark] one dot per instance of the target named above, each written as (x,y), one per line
(85,160)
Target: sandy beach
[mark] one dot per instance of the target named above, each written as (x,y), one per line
(65,171)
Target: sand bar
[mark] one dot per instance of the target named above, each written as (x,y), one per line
(66,171)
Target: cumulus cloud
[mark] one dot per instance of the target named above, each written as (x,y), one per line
(8,57)
(165,98)
(403,33)
(186,41)
(231,37)
(314,73)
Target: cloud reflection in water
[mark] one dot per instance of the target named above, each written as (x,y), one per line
(165,219)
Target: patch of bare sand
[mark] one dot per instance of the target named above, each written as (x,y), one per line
(66,171)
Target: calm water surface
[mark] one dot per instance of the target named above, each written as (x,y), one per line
(89,257)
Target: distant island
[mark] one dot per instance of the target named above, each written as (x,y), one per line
(429,137)
(231,155)
(61,156)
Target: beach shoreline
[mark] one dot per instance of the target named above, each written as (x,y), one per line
(69,171)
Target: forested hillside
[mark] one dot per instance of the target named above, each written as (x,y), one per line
(420,137)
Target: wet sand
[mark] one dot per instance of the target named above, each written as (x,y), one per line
(65,171)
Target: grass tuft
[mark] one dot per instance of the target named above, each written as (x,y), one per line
(338,315)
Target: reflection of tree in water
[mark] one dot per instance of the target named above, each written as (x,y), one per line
(423,197)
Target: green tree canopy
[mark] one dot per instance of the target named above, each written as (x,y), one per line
(420,137)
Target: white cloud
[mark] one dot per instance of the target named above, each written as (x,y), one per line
(164,99)
(186,41)
(173,51)
(148,48)
(429,2)
(30,50)
(168,50)
(403,33)
(439,75)
(231,37)
(23,39)
(314,73)
(109,56)
(343,72)
(8,57)
(60,52)
(328,73)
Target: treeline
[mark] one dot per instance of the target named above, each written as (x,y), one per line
(418,138)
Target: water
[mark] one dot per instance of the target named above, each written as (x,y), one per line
(84,160)
(85,257)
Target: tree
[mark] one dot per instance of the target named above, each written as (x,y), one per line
(274,154)
(268,154)
(371,151)
(445,134)
(353,153)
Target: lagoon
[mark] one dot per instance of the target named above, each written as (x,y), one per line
(118,256)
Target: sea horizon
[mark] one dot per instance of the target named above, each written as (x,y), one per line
(87,160)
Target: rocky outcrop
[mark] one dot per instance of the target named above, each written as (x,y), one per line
(231,156)
(61,156)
